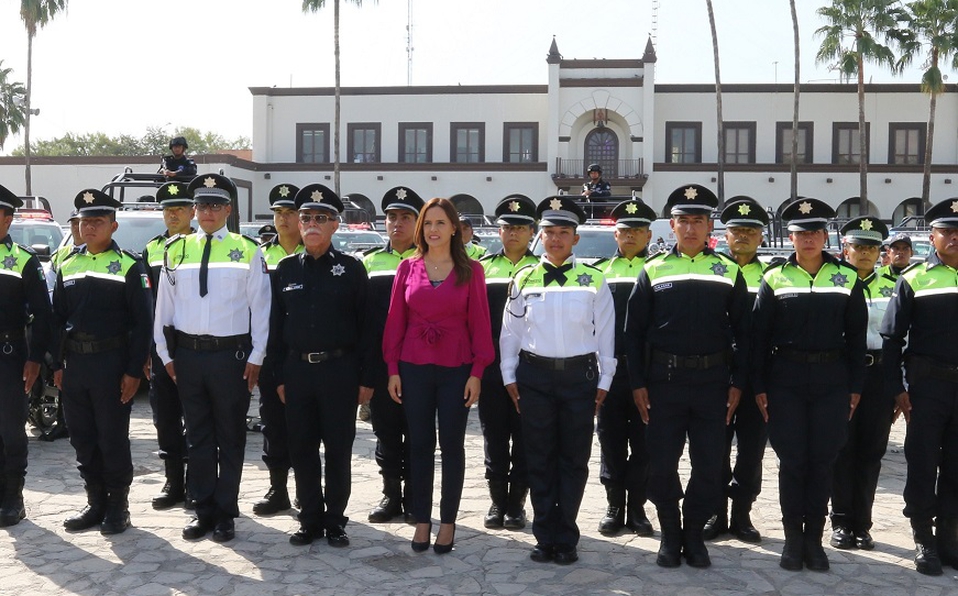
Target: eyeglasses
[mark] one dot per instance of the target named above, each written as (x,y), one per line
(214,207)
(317,218)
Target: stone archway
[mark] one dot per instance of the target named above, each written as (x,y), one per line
(851,207)
(467,204)
(363,202)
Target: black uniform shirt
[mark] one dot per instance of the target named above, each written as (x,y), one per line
(320,305)
(183,165)
(23,290)
(600,188)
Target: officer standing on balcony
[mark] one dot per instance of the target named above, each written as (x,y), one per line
(596,187)
(211,284)
(178,212)
(505,464)
(621,432)
(102,345)
(23,291)
(744,220)
(272,412)
(401,206)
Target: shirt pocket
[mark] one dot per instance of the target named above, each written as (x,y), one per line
(233,280)
(578,308)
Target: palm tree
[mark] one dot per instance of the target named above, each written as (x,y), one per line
(932,30)
(793,167)
(35,15)
(857,31)
(314,6)
(12,113)
(720,173)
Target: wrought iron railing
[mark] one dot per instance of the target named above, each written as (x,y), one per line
(620,168)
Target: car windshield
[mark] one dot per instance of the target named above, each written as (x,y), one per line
(348,241)
(133,233)
(33,233)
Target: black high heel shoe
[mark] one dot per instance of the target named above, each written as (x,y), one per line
(420,547)
(441,549)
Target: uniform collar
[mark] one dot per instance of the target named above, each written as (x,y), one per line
(390,249)
(218,235)
(826,259)
(8,241)
(545,260)
(502,253)
(113,246)
(675,252)
(331,254)
(754,259)
(642,255)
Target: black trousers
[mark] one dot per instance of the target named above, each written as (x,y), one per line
(99,423)
(389,426)
(621,432)
(750,432)
(13,409)
(859,461)
(321,409)
(557,425)
(501,430)
(167,412)
(808,407)
(215,401)
(272,413)
(681,408)
(429,392)
(931,450)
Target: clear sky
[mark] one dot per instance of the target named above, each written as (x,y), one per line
(118,66)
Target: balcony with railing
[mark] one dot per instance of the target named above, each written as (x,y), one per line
(616,172)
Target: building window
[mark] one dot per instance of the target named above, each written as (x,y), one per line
(467,142)
(906,143)
(845,143)
(683,142)
(739,142)
(783,142)
(312,143)
(520,142)
(415,142)
(363,142)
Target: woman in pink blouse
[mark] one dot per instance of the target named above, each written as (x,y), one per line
(437,341)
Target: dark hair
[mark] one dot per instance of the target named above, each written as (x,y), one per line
(461,263)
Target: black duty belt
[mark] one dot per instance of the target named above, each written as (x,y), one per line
(694,362)
(808,357)
(317,357)
(15,335)
(922,366)
(94,346)
(571,363)
(872,357)
(211,343)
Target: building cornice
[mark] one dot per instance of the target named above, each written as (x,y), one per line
(789,88)
(402,90)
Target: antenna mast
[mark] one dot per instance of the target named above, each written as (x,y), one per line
(655,21)
(409,47)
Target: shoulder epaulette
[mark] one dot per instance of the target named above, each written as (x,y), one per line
(373,250)
(660,255)
(488,255)
(592,267)
(250,240)
(776,262)
(726,257)
(524,267)
(173,239)
(26,248)
(910,267)
(157,237)
(130,254)
(601,261)
(846,265)
(889,277)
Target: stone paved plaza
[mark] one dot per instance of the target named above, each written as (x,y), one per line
(151,558)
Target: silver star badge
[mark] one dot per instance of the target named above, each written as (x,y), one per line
(338,270)
(805,207)
(284,191)
(866,224)
(173,190)
(88,198)
(555,204)
(209,182)
(316,196)
(401,194)
(631,208)
(691,193)
(744,209)
(514,206)
(954,206)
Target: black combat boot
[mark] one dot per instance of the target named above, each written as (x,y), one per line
(391,504)
(717,524)
(947,536)
(927,561)
(693,546)
(116,518)
(740,522)
(174,490)
(515,518)
(277,497)
(614,519)
(635,517)
(794,551)
(11,507)
(670,546)
(499,492)
(814,554)
(92,514)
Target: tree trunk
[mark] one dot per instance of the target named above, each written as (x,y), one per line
(862,137)
(929,141)
(793,189)
(336,110)
(720,173)
(28,190)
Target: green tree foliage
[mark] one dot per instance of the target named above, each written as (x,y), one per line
(12,109)
(154,142)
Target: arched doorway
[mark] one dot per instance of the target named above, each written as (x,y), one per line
(602,147)
(852,207)
(363,202)
(467,204)
(908,208)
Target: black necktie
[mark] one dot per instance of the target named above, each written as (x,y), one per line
(205,266)
(556,274)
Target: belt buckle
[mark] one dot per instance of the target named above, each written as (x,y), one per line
(869,360)
(315,357)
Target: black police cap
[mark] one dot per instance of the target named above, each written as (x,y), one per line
(318,196)
(632,213)
(691,199)
(402,197)
(212,188)
(283,196)
(9,200)
(943,214)
(516,210)
(91,202)
(867,230)
(806,214)
(560,210)
(174,194)
(742,211)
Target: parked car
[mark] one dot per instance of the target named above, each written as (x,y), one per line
(357,241)
(595,242)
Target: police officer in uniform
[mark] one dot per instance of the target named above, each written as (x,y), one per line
(474,250)
(23,291)
(505,466)
(744,220)
(900,251)
(282,201)
(102,314)
(809,324)
(596,187)
(859,461)
(401,206)
(178,212)
(621,432)
(319,344)
(923,312)
(210,331)
(178,165)
(686,345)
(557,360)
